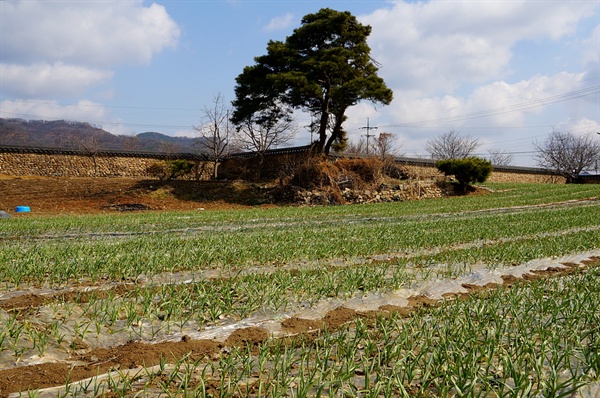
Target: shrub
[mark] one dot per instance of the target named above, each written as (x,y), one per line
(368,170)
(157,170)
(170,170)
(466,171)
(331,178)
(315,173)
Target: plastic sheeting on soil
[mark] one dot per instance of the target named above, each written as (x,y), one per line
(436,290)
(479,276)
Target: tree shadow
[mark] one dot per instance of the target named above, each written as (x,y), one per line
(231,192)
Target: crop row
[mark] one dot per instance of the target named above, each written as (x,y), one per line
(148,312)
(504,195)
(61,261)
(539,339)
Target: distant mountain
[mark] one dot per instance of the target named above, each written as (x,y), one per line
(84,136)
(151,141)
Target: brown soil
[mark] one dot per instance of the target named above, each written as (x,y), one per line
(136,354)
(47,196)
(82,195)
(75,195)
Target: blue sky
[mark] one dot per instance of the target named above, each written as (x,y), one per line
(506,72)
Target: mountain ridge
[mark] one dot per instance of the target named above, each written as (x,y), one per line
(62,134)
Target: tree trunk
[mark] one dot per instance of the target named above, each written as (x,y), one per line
(215,167)
(335,134)
(324,120)
(261,161)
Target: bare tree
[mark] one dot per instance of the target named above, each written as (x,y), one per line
(500,158)
(262,137)
(384,145)
(356,148)
(568,154)
(169,149)
(129,142)
(451,145)
(215,131)
(89,144)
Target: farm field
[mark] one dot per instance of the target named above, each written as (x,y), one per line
(485,296)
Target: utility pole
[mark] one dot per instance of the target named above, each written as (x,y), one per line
(368,128)
(311,128)
(597,159)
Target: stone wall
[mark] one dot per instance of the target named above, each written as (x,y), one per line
(426,170)
(57,163)
(53,164)
(422,172)
(49,165)
(507,176)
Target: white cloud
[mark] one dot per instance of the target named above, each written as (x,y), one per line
(583,126)
(279,23)
(42,109)
(591,56)
(438,45)
(49,80)
(509,104)
(60,49)
(497,104)
(93,33)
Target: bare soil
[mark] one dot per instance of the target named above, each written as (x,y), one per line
(84,195)
(68,195)
(135,354)
(77,195)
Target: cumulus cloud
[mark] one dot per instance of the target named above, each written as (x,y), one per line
(438,45)
(43,109)
(497,104)
(53,49)
(94,33)
(47,80)
(583,126)
(279,23)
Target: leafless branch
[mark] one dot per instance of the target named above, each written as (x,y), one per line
(500,158)
(215,131)
(568,154)
(451,145)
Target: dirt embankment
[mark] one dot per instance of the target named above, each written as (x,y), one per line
(78,195)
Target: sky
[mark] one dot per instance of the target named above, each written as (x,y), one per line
(504,72)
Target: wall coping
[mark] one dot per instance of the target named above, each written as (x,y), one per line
(424,162)
(102,153)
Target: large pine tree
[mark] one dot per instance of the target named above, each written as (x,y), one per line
(323,68)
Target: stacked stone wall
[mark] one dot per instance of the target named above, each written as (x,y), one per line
(77,165)
(54,165)
(50,165)
(423,172)
(431,173)
(503,176)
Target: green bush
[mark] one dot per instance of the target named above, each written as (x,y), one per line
(466,171)
(170,170)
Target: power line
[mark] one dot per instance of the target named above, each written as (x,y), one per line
(507,109)
(99,105)
(25,115)
(418,124)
